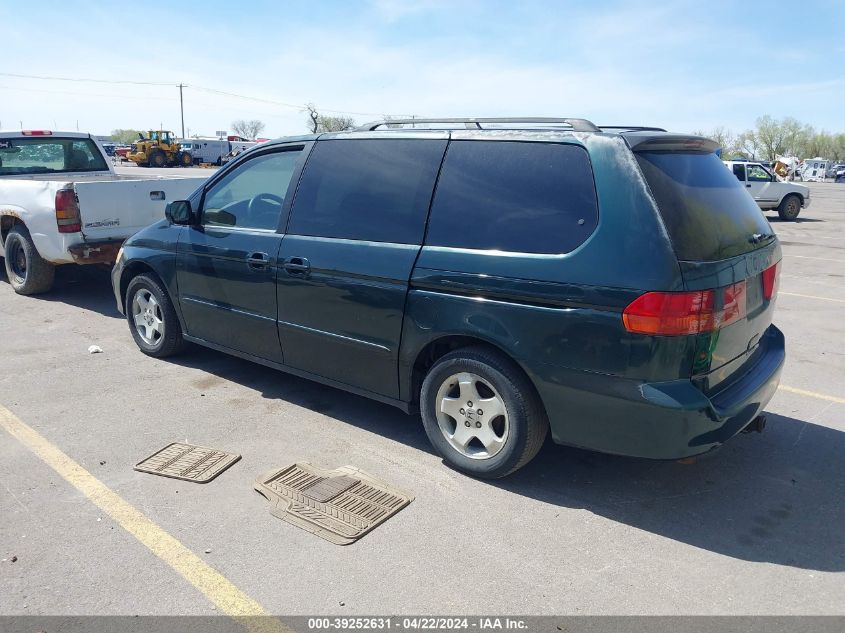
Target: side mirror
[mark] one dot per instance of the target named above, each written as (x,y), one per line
(179,212)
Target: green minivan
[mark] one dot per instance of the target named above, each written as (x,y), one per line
(502,277)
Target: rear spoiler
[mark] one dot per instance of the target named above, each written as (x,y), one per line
(650,142)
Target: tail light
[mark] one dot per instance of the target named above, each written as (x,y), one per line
(771,276)
(682,313)
(36,133)
(67,211)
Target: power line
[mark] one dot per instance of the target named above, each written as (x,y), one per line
(299,107)
(80,79)
(87,94)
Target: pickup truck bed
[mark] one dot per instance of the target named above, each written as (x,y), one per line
(67,215)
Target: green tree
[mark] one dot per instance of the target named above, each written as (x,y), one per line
(125,137)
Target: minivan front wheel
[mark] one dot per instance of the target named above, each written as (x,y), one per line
(481,413)
(152,318)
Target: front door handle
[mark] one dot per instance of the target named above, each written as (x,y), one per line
(297,266)
(258,260)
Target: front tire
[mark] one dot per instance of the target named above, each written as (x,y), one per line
(27,271)
(481,413)
(157,159)
(152,318)
(186,160)
(789,208)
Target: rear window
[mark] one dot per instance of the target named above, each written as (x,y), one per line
(49,155)
(514,196)
(708,213)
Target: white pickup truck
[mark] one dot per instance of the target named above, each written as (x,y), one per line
(61,202)
(769,191)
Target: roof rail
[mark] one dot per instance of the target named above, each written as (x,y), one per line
(577,125)
(631,128)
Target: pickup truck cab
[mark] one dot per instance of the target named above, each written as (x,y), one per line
(769,191)
(61,202)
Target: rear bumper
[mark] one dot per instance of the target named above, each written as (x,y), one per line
(664,420)
(95,252)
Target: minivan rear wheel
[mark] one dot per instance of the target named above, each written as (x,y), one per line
(789,208)
(482,413)
(152,318)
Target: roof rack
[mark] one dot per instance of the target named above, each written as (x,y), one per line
(631,128)
(577,125)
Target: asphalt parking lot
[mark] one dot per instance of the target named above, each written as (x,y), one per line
(755,528)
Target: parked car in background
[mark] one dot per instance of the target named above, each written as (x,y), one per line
(769,191)
(499,306)
(62,203)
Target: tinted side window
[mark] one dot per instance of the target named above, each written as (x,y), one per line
(368,189)
(739,172)
(514,196)
(252,195)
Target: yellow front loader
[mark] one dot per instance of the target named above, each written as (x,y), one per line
(158,149)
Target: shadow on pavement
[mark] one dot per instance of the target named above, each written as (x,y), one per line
(86,287)
(775,497)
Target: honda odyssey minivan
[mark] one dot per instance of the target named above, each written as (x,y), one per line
(505,278)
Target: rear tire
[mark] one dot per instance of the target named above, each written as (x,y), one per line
(152,318)
(790,207)
(27,271)
(489,444)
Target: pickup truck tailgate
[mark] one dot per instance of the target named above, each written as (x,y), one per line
(116,209)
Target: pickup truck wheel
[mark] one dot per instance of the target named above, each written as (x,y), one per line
(482,413)
(157,159)
(27,271)
(789,207)
(152,318)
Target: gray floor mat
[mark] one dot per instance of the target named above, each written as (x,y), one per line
(339,505)
(188,462)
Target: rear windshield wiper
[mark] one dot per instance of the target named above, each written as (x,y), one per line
(759,238)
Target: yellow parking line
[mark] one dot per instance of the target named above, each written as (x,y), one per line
(812,394)
(795,294)
(217,588)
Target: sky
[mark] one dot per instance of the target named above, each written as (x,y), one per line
(679,64)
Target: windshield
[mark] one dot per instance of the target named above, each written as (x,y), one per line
(707,212)
(49,155)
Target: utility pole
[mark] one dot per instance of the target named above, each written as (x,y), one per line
(182,109)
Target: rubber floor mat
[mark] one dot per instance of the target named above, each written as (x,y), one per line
(339,505)
(186,461)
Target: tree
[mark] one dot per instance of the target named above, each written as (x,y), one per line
(318,123)
(726,139)
(784,137)
(247,129)
(125,137)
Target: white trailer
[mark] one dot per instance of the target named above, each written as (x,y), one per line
(207,150)
(814,169)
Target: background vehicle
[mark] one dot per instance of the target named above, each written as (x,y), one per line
(207,150)
(814,170)
(159,149)
(498,304)
(769,191)
(61,202)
